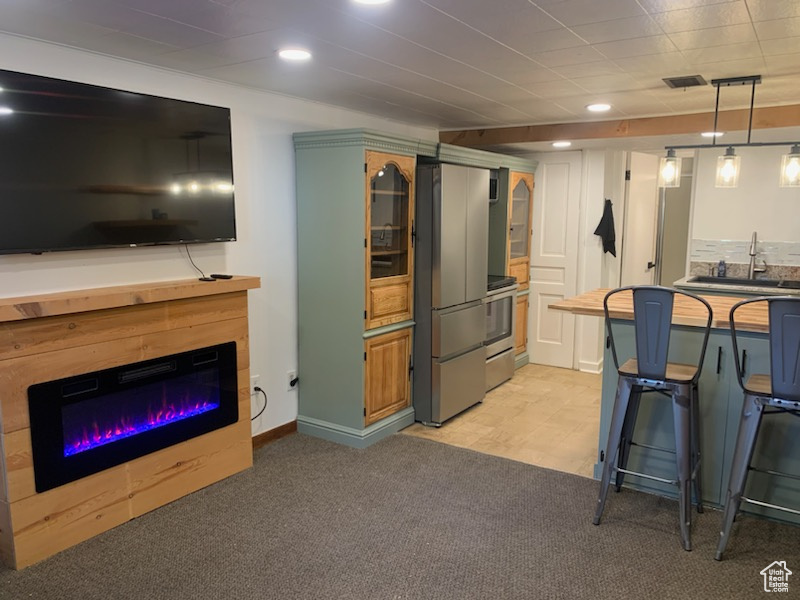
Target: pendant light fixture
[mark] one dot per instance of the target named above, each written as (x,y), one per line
(669,171)
(728,167)
(729,164)
(790,168)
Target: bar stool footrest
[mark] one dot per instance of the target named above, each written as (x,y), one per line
(768,505)
(647,476)
(776,473)
(651,447)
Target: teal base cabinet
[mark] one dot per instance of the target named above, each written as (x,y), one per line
(355,437)
(721,398)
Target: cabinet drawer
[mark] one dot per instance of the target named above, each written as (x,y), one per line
(389,304)
(520,270)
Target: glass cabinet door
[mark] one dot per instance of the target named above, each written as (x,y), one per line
(389,223)
(520,203)
(389,256)
(519,232)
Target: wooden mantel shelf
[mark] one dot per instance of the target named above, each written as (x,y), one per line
(63,303)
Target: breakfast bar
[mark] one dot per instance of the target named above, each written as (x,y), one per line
(720,401)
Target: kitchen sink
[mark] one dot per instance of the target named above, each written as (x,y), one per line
(735,281)
(740,281)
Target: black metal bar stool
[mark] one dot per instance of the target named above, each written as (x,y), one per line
(764,394)
(650,371)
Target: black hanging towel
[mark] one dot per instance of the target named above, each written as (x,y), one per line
(605,229)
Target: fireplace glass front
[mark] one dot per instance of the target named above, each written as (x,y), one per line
(84,424)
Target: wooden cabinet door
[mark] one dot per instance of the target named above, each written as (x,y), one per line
(387,374)
(521,325)
(520,209)
(389,221)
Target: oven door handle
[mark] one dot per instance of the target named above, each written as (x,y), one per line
(499,296)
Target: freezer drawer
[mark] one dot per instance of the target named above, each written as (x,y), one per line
(499,369)
(457,384)
(455,330)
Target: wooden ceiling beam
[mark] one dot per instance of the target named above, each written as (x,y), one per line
(729,120)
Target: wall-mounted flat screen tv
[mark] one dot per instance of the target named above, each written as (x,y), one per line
(83,166)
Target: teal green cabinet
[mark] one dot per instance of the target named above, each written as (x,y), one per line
(355,210)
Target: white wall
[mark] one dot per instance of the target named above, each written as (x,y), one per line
(757,204)
(263,157)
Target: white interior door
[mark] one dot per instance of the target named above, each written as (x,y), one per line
(554,258)
(641,220)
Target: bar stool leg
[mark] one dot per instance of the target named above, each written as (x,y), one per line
(681,411)
(617,419)
(627,433)
(696,449)
(742,454)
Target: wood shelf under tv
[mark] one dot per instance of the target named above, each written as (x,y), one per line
(51,336)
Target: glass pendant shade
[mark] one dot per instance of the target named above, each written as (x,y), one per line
(790,168)
(728,169)
(669,171)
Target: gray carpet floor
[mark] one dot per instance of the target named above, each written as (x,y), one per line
(407,518)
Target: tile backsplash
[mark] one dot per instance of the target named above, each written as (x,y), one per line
(782,258)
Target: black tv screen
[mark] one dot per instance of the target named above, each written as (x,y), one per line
(83,166)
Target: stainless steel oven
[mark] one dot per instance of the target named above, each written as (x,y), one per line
(500,306)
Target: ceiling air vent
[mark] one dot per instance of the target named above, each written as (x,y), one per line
(685,81)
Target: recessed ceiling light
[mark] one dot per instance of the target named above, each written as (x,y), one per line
(598,107)
(713,134)
(563,144)
(294,54)
(371,1)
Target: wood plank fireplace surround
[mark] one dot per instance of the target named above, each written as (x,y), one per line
(54,336)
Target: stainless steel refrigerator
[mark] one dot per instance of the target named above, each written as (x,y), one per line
(452,231)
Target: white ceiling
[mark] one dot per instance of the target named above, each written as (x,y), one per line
(451,64)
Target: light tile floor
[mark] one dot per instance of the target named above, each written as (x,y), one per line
(544,416)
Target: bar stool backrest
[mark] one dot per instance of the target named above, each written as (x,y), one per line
(784,347)
(652,316)
(784,344)
(652,319)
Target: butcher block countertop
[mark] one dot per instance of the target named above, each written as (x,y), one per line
(685,312)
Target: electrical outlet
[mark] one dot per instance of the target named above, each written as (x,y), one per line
(255,381)
(290,377)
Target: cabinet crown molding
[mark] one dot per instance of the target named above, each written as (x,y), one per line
(367,138)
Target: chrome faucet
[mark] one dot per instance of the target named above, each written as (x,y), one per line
(752,269)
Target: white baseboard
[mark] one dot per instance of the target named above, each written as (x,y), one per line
(587,366)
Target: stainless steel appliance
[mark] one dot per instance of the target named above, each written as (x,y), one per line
(451,271)
(500,310)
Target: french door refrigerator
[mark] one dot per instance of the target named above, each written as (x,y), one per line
(452,231)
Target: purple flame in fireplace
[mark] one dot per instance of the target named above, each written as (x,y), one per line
(123,415)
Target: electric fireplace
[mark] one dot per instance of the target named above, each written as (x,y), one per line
(90,422)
